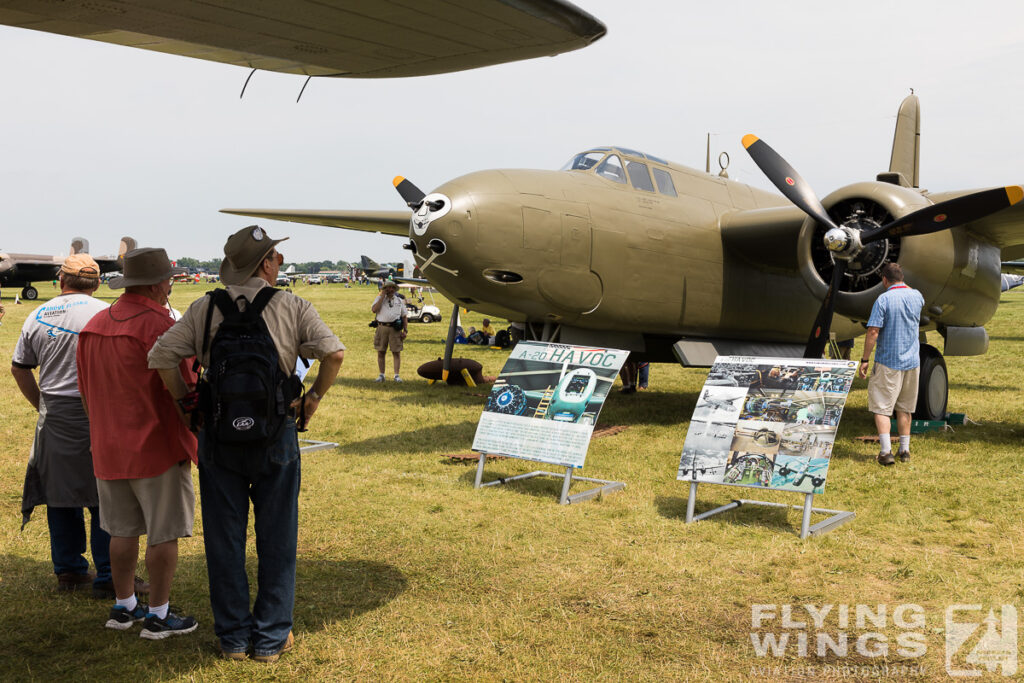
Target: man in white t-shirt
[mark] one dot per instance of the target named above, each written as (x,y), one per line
(60,473)
(392,327)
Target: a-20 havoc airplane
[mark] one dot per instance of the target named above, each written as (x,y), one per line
(627,250)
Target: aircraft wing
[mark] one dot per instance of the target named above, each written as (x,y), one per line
(387,222)
(766,237)
(347,38)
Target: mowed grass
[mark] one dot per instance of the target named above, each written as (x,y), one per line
(406,572)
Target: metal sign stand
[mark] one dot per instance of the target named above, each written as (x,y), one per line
(836,518)
(568,479)
(308,445)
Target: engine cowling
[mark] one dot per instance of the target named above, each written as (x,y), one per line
(869,205)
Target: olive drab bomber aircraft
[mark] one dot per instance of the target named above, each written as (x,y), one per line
(627,250)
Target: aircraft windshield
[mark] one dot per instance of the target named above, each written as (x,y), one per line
(611,168)
(582,162)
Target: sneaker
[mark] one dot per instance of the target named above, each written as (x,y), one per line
(156,628)
(628,390)
(903,456)
(397,378)
(885,458)
(69,581)
(121,619)
(380,378)
(289,643)
(104,590)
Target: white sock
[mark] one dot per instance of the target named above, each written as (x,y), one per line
(905,442)
(128,603)
(884,443)
(380,376)
(161,611)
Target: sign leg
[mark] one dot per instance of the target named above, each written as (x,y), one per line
(565,486)
(480,470)
(691,501)
(805,523)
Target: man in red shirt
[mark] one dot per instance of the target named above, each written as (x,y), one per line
(142,452)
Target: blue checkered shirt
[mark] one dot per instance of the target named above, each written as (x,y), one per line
(897,312)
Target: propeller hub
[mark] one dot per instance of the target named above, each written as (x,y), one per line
(837,240)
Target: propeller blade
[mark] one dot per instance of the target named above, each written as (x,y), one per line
(948,214)
(412,195)
(785,177)
(819,332)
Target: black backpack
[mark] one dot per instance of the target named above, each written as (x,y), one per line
(503,339)
(244,395)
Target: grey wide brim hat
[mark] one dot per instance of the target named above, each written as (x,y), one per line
(145,266)
(243,252)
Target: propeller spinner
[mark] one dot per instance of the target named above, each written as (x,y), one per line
(845,242)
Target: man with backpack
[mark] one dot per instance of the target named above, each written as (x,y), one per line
(248,338)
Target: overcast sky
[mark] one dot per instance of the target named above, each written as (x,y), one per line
(104,141)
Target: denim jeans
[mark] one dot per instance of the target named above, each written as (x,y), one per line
(225,497)
(67,542)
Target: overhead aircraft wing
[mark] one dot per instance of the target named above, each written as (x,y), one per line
(1004,228)
(387,222)
(347,38)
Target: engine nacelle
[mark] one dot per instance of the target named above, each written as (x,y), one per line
(927,260)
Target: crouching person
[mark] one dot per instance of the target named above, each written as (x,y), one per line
(248,446)
(142,454)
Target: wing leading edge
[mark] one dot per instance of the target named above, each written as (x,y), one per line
(347,38)
(387,222)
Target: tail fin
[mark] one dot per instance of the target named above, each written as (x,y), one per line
(79,245)
(906,143)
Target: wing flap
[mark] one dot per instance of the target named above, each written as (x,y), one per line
(387,222)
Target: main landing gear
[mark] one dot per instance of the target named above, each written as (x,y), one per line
(932,386)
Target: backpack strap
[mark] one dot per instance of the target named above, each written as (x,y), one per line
(206,329)
(261,300)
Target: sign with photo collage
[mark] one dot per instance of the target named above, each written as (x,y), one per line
(545,402)
(767,423)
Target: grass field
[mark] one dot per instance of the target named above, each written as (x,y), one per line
(407,573)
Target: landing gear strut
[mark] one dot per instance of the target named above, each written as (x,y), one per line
(933,385)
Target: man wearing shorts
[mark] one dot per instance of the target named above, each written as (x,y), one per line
(894,325)
(392,327)
(142,452)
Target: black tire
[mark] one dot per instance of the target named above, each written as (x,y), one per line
(30,293)
(933,385)
(427,318)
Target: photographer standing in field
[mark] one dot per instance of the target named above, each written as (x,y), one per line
(248,337)
(894,324)
(392,325)
(60,473)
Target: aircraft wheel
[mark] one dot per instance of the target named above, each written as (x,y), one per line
(427,318)
(933,385)
(30,293)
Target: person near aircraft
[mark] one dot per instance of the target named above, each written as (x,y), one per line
(392,327)
(142,459)
(893,326)
(488,331)
(60,473)
(251,264)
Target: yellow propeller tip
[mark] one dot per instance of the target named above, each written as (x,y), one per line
(1015,193)
(398,180)
(748,140)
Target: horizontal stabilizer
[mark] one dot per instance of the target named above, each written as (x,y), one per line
(387,222)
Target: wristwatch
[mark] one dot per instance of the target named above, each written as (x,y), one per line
(314,394)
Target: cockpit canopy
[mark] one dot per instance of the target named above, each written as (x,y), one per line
(614,164)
